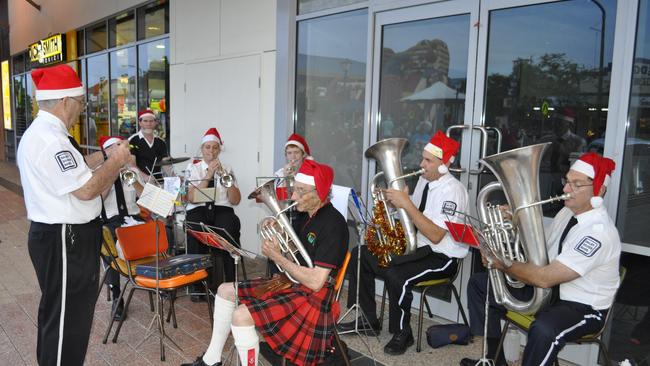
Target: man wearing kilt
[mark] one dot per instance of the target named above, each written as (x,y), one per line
(295,321)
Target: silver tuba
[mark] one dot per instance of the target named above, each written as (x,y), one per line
(278,226)
(388,154)
(521,238)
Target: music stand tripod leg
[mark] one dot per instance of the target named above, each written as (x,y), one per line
(484,361)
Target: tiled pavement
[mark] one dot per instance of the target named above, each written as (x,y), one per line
(19,296)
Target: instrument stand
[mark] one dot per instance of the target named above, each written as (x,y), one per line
(484,361)
(157,318)
(233,349)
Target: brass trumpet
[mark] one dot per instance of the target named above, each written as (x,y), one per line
(128,177)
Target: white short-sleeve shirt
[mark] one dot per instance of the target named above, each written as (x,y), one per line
(197,172)
(50,170)
(447,196)
(592,248)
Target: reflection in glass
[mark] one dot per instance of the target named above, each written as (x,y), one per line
(423,81)
(96,38)
(330,91)
(97,98)
(78,130)
(123,103)
(18,62)
(310,6)
(631,326)
(153,20)
(19,94)
(122,29)
(543,86)
(153,84)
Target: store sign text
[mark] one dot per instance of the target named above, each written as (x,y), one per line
(48,51)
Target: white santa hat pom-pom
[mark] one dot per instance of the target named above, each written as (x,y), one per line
(596,201)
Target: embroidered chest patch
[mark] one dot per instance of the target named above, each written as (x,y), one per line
(449,208)
(65,159)
(311,238)
(588,246)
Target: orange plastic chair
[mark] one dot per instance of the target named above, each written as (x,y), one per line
(138,242)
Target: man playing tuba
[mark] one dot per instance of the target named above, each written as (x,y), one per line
(583,247)
(295,321)
(437,197)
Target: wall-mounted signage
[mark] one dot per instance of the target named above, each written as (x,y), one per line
(6,94)
(48,51)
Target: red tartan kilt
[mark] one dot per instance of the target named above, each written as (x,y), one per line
(297,323)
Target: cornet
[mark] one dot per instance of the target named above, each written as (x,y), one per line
(225,179)
(128,177)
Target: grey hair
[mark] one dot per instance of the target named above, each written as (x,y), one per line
(48,103)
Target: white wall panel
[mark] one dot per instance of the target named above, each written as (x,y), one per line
(247,25)
(180,130)
(195,30)
(225,94)
(28,25)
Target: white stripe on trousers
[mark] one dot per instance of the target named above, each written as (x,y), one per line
(401,318)
(564,332)
(64,280)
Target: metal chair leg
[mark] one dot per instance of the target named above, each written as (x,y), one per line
(126,307)
(603,349)
(426,303)
(420,316)
(339,344)
(383,304)
(460,306)
(503,336)
(209,301)
(110,324)
(101,284)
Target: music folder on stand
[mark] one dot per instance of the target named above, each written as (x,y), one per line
(160,203)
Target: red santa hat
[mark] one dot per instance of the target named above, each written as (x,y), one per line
(106,141)
(299,141)
(444,148)
(567,114)
(56,82)
(599,169)
(318,175)
(146,113)
(211,135)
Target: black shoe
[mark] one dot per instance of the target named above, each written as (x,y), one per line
(374,329)
(119,312)
(198,298)
(199,362)
(399,343)
(468,362)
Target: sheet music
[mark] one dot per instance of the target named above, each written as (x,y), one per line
(157,200)
(340,197)
(172,184)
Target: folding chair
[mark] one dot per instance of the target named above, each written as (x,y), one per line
(523,322)
(138,243)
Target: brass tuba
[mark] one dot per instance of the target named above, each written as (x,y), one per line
(386,236)
(278,226)
(521,238)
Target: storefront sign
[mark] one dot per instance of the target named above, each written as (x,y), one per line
(641,76)
(6,94)
(47,51)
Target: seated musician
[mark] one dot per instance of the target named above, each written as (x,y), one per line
(436,198)
(148,148)
(294,321)
(205,173)
(583,248)
(119,203)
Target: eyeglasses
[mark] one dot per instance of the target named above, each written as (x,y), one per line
(575,185)
(301,192)
(83,102)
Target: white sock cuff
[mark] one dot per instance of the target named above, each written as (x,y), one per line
(245,336)
(220,302)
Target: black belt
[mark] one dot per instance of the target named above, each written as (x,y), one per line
(55,227)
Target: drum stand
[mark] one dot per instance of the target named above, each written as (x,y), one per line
(484,361)
(158,316)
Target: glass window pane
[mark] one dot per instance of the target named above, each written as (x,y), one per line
(20,101)
(122,29)
(634,207)
(330,91)
(310,6)
(81,43)
(543,86)
(19,63)
(153,20)
(123,104)
(153,81)
(423,81)
(96,38)
(97,96)
(31,107)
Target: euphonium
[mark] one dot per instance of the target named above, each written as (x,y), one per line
(386,236)
(278,226)
(521,238)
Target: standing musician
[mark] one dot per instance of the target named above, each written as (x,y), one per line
(119,203)
(583,250)
(220,213)
(296,320)
(148,148)
(437,197)
(62,199)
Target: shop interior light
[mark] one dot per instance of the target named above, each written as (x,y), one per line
(161,46)
(536,108)
(151,28)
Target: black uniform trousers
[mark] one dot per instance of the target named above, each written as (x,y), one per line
(399,277)
(66,261)
(223,217)
(554,325)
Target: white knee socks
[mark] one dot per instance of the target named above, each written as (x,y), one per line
(223,310)
(247,343)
